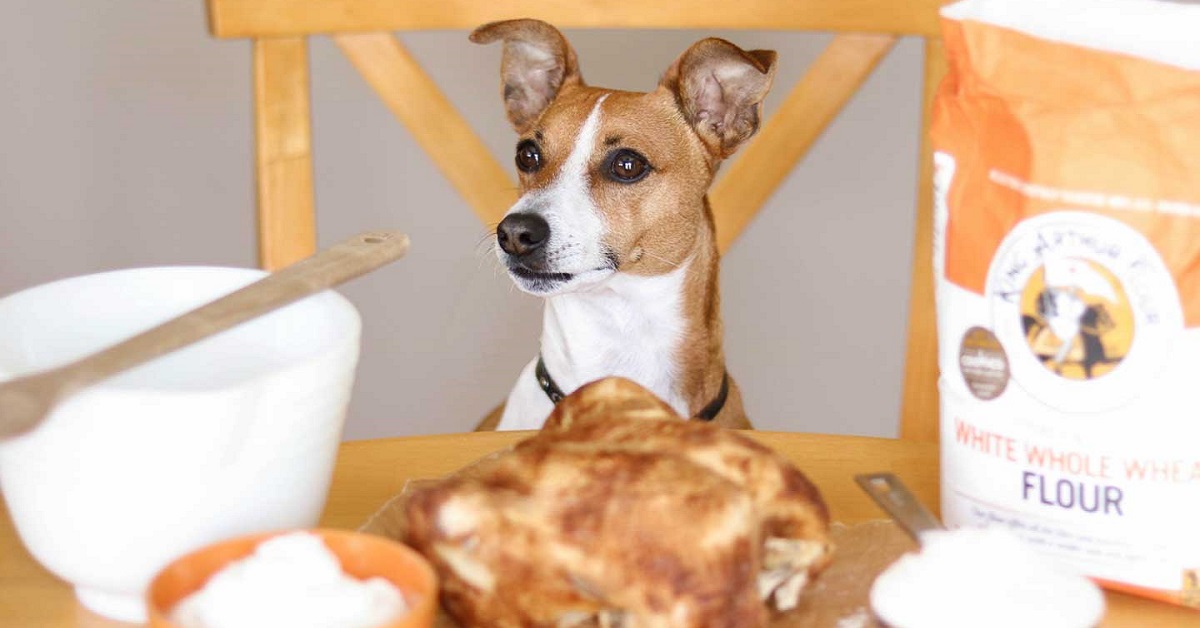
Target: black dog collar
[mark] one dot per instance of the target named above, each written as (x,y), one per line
(707,413)
(547,383)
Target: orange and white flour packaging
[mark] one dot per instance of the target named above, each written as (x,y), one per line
(1067,256)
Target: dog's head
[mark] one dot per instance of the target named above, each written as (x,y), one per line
(612,180)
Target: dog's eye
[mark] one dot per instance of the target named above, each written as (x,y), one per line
(627,166)
(529,157)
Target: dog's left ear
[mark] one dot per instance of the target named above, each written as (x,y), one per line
(720,88)
(537,63)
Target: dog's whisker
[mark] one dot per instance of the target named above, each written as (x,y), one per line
(486,237)
(660,258)
(484,250)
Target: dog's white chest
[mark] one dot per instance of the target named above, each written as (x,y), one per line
(629,327)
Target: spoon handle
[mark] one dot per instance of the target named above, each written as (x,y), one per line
(894,497)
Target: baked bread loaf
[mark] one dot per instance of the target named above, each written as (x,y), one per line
(619,513)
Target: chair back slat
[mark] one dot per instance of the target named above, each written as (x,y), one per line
(415,99)
(283,152)
(785,138)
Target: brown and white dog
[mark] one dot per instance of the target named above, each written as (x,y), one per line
(613,226)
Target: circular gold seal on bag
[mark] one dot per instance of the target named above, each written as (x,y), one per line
(983,363)
(1077,318)
(1086,308)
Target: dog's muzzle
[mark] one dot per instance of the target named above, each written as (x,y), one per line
(523,237)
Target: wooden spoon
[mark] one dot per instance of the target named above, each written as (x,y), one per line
(26,401)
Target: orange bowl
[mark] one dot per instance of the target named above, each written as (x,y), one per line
(361,555)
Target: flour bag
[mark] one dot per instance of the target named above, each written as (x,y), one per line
(1067,254)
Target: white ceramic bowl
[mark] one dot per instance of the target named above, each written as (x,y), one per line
(234,435)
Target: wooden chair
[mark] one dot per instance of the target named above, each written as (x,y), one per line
(362,29)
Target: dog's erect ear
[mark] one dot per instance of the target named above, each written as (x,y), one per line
(536,64)
(720,89)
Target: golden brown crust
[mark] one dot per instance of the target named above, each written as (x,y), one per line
(559,531)
(620,511)
(609,397)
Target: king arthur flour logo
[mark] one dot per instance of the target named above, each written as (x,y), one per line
(1085,308)
(1076,317)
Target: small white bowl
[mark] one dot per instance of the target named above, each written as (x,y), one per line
(234,435)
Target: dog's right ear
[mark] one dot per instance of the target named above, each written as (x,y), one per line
(719,89)
(537,62)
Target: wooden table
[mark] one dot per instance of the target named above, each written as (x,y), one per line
(369,472)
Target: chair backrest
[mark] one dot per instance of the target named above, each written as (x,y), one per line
(363,29)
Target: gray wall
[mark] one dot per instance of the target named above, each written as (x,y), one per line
(126,137)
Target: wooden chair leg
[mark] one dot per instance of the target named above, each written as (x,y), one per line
(489,422)
(919,409)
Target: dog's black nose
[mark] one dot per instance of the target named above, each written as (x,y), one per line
(521,234)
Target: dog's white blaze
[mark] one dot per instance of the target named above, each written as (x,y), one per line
(577,227)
